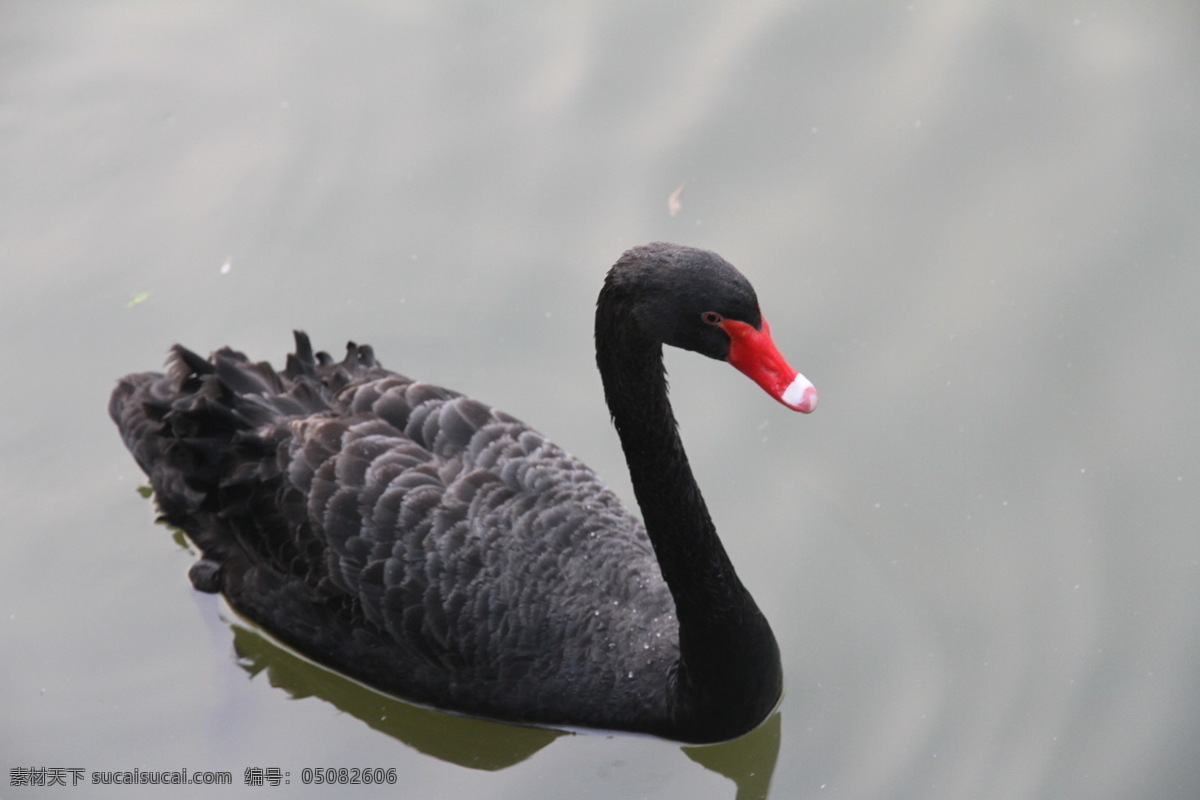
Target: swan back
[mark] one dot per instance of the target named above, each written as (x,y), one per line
(410,536)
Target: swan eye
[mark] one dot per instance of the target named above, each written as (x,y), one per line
(712,318)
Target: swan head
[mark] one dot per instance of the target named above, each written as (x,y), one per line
(696,300)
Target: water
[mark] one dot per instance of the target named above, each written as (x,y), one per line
(973,225)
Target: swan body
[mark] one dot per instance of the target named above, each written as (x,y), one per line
(441,550)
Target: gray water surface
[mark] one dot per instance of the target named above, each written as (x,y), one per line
(974,225)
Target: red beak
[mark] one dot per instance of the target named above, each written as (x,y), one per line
(754,353)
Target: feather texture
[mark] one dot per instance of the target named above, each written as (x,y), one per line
(400,532)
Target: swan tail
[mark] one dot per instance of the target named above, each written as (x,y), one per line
(189,426)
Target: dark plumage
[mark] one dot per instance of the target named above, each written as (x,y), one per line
(439,549)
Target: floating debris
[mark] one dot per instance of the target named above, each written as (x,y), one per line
(675,201)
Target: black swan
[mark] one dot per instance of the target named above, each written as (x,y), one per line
(438,549)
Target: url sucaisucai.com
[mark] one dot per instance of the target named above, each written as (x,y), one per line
(164,777)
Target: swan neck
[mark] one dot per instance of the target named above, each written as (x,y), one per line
(728,668)
(709,597)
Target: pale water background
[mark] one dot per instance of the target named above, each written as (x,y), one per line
(975,225)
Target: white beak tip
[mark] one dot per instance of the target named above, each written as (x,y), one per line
(800,395)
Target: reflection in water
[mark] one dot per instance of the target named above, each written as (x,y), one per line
(749,761)
(468,741)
